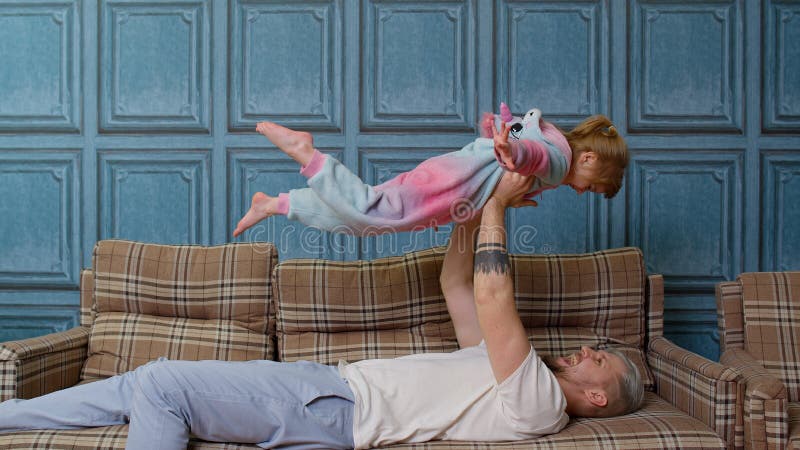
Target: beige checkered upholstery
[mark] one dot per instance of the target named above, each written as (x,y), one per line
(771,310)
(140,302)
(37,366)
(391,307)
(87,298)
(144,301)
(657,425)
(794,425)
(103,438)
(361,310)
(179,302)
(394,306)
(759,321)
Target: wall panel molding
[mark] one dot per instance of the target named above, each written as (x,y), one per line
(564,222)
(781,92)
(695,330)
(147,85)
(43,42)
(136,119)
(426,83)
(780,223)
(154,196)
(40,226)
(22,322)
(677,85)
(570,72)
(690,321)
(286,64)
(686,215)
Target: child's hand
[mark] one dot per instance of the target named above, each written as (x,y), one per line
(502,147)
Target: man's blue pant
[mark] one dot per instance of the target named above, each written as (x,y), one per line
(300,405)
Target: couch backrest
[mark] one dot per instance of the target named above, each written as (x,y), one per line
(771,316)
(331,310)
(389,307)
(181,302)
(87,298)
(730,320)
(595,299)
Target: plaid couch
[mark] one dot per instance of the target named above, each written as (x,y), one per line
(759,323)
(142,301)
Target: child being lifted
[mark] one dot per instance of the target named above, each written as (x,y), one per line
(450,187)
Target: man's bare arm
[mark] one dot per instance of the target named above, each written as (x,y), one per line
(457,285)
(506,339)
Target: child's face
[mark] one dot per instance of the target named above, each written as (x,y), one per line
(584,173)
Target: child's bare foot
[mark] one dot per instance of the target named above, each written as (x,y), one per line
(261,207)
(297,144)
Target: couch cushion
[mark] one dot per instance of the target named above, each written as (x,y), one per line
(107,438)
(180,302)
(595,299)
(385,308)
(601,291)
(794,425)
(655,425)
(771,309)
(389,307)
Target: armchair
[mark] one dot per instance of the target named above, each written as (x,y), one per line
(759,323)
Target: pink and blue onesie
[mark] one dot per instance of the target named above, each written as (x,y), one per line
(442,189)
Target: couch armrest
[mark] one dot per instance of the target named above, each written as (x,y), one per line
(762,403)
(37,366)
(697,386)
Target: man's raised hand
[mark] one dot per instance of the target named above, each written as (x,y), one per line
(511,190)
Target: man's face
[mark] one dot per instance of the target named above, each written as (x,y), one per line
(588,367)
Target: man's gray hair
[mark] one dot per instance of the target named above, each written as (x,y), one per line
(631,389)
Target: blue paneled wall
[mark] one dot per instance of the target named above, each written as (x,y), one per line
(135,120)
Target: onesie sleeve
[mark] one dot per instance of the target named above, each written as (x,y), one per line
(539,158)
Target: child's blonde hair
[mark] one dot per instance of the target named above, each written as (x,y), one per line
(597,134)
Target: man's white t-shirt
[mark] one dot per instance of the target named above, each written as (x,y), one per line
(452,396)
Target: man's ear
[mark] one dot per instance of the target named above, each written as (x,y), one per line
(597,397)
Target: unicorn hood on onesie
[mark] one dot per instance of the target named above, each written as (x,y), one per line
(524,130)
(525,127)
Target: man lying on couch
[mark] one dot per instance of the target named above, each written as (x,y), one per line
(496,388)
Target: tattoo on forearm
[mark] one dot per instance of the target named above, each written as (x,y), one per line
(492,258)
(491,246)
